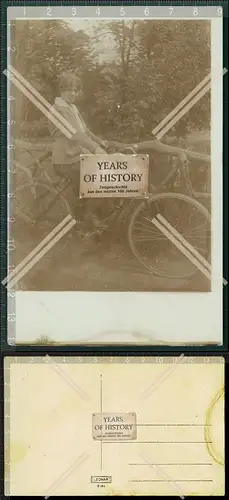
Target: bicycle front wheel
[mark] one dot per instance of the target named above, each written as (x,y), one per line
(154,250)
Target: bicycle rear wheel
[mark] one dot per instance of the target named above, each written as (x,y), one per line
(38,209)
(157,252)
(40,204)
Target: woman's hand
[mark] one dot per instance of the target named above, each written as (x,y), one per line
(100,151)
(129,150)
(105,144)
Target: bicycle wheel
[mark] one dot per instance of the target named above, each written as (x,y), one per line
(154,250)
(39,205)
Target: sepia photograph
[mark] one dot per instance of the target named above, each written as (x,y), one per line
(115,168)
(113,82)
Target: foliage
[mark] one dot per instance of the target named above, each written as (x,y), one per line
(153,66)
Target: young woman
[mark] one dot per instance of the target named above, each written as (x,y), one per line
(66,151)
(65,157)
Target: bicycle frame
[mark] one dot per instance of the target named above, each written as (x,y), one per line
(126,204)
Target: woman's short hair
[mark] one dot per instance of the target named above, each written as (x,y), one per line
(67,80)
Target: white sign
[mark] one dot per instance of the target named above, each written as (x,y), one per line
(114,175)
(114,426)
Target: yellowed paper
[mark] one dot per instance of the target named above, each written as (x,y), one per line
(179,415)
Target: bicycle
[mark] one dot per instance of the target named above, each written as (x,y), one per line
(149,245)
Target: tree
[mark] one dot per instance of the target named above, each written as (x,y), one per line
(154,68)
(130,84)
(46,49)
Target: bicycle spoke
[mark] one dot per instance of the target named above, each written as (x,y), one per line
(147,238)
(146,228)
(197,228)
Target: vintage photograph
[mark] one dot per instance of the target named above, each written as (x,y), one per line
(117,88)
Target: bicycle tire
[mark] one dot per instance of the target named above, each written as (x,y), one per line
(34,185)
(156,197)
(28,234)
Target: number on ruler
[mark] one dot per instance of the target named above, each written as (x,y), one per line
(73,11)
(146,11)
(98,12)
(11,49)
(49,11)
(11,122)
(160,360)
(11,98)
(10,246)
(219,11)
(122,12)
(11,318)
(195,11)
(170,10)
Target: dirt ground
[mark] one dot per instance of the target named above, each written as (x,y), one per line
(77,265)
